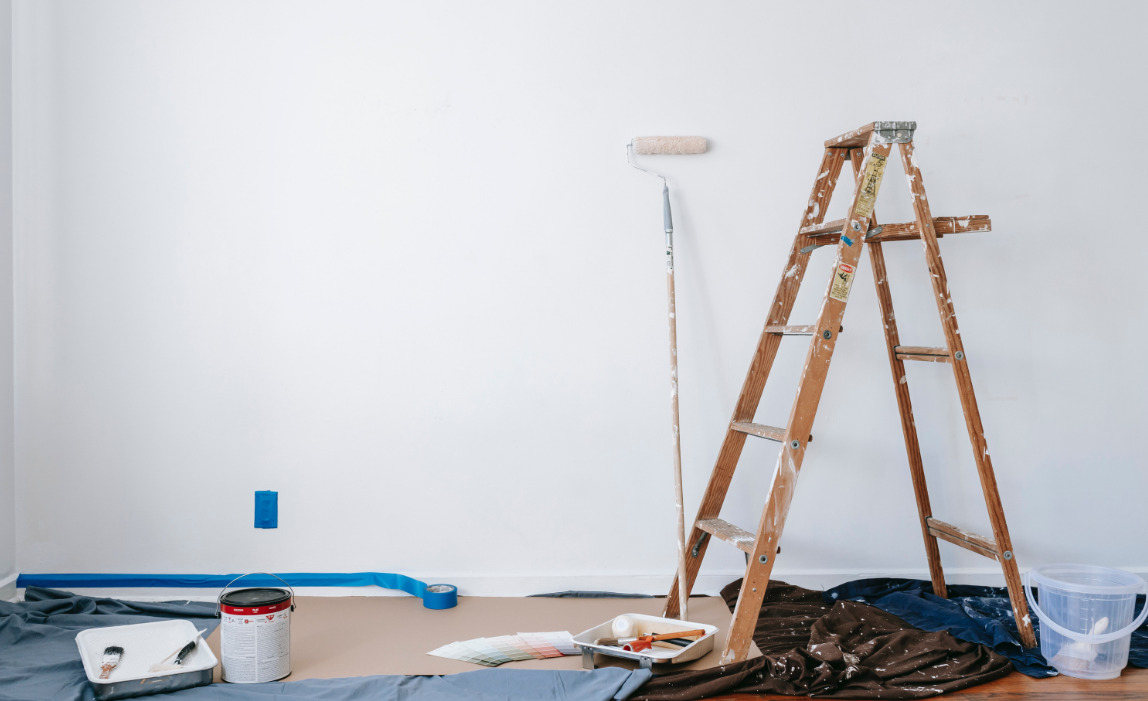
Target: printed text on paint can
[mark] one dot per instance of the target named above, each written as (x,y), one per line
(256,643)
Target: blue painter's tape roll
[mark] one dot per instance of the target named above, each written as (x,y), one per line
(440,596)
(435,596)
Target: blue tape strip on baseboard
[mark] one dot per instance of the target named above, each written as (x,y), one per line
(434,596)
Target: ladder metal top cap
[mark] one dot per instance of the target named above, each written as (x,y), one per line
(887,132)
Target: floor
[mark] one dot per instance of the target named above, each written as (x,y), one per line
(334,637)
(355,636)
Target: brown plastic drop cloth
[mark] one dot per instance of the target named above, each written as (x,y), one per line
(848,650)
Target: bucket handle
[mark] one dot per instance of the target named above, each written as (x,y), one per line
(1081,637)
(219,599)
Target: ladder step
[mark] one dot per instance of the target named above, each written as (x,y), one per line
(792,330)
(833,227)
(968,541)
(773,433)
(932,355)
(890,132)
(837,226)
(740,538)
(941,225)
(797,330)
(900,232)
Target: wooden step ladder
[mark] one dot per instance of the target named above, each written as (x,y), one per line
(868,150)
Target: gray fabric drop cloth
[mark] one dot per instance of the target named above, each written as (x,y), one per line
(606,684)
(39,661)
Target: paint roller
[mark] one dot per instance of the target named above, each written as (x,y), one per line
(680,146)
(666,146)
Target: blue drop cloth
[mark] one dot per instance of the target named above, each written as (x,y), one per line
(973,613)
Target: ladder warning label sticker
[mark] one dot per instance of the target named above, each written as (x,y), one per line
(842,281)
(870,184)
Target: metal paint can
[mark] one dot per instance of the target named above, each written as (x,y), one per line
(255,632)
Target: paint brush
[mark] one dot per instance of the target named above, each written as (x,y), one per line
(180,655)
(112,656)
(645,641)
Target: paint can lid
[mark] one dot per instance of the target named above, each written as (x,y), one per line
(259,596)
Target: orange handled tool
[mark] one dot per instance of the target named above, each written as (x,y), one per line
(646,641)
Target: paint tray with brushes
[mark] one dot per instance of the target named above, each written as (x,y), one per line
(589,641)
(140,667)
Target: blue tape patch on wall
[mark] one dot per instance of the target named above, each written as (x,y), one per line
(266,509)
(434,596)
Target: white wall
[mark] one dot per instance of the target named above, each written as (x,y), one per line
(7,454)
(388,259)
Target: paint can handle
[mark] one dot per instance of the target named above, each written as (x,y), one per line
(219,599)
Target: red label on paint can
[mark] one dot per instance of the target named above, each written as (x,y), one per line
(254,610)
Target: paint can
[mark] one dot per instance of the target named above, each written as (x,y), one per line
(255,632)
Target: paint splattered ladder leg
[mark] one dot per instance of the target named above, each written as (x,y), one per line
(707,522)
(904,405)
(800,426)
(1000,548)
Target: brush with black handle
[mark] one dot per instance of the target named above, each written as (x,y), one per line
(180,655)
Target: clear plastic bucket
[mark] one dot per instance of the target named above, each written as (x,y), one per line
(1086,617)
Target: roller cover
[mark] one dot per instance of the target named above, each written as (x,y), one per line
(647,145)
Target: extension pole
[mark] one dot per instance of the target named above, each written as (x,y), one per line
(679,501)
(681,145)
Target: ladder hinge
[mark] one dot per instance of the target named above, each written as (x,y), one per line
(894,132)
(698,545)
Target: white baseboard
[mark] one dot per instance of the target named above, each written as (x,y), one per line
(8,588)
(657,584)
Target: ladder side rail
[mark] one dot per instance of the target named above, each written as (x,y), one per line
(904,403)
(800,422)
(965,391)
(908,425)
(793,273)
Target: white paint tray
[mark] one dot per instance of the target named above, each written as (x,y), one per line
(647,625)
(144,644)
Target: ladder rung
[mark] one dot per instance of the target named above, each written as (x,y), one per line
(833,227)
(773,433)
(792,330)
(932,355)
(968,541)
(724,530)
(941,225)
(900,232)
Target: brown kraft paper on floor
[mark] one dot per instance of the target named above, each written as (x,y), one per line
(848,650)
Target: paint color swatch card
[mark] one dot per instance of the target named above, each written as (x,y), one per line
(507,648)
(560,640)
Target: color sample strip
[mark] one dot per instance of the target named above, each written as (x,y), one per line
(487,651)
(458,651)
(540,644)
(510,646)
(507,648)
(562,640)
